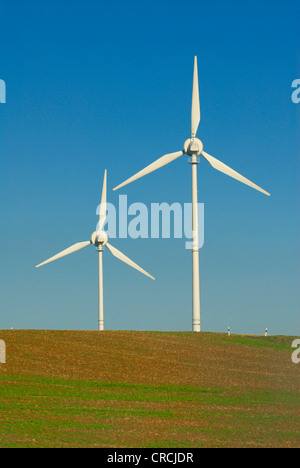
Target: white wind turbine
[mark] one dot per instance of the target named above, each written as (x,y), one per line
(99,238)
(193,147)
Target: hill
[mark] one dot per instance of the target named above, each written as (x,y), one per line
(147,389)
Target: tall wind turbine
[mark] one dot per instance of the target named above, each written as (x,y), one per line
(99,238)
(193,147)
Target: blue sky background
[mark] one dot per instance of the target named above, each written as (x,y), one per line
(96,84)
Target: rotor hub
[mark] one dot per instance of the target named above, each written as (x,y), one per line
(99,238)
(193,146)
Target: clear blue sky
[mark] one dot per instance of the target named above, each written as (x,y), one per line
(97,84)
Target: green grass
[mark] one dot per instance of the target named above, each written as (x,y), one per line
(274,342)
(58,412)
(103,391)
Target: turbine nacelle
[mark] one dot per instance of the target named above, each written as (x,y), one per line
(99,238)
(193,146)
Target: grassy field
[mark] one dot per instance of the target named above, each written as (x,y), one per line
(148,389)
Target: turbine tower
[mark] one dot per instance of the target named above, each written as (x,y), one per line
(99,239)
(193,147)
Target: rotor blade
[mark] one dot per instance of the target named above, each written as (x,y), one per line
(68,251)
(102,216)
(230,172)
(195,101)
(127,260)
(168,158)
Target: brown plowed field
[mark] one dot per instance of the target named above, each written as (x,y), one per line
(147,389)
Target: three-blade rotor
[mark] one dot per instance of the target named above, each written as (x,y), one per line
(99,238)
(190,145)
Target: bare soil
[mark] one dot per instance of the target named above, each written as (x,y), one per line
(147,389)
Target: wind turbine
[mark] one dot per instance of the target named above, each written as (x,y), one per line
(193,147)
(99,239)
